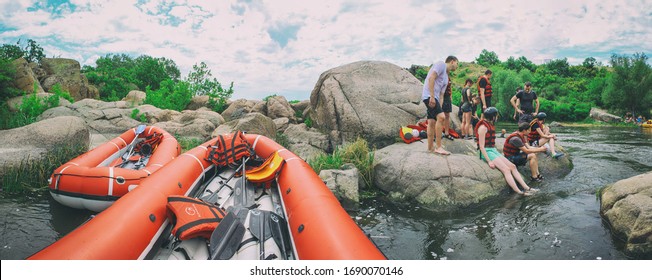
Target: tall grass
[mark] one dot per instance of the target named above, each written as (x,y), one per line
(357,153)
(188,143)
(33,174)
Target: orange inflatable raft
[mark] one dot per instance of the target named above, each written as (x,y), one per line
(98,178)
(276,207)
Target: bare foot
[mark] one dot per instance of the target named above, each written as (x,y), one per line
(442,152)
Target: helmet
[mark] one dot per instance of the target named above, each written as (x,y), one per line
(415,132)
(490,113)
(407,136)
(423,134)
(541,116)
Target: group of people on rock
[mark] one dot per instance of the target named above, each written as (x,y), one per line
(520,147)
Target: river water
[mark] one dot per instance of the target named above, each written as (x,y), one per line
(561,222)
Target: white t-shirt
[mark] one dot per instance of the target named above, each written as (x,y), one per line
(440,82)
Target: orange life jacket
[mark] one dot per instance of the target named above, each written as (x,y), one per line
(490,137)
(534,135)
(509,149)
(152,140)
(487,89)
(229,149)
(193,217)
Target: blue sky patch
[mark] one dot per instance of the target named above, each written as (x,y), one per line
(283,33)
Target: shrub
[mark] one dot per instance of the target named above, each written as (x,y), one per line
(308,122)
(170,95)
(356,153)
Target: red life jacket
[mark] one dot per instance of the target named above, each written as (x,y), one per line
(487,89)
(193,217)
(409,129)
(228,149)
(509,149)
(449,90)
(534,135)
(490,137)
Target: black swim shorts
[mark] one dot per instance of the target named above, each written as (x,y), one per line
(432,112)
(519,159)
(447,106)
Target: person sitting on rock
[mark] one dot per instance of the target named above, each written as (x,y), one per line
(540,135)
(486,134)
(518,151)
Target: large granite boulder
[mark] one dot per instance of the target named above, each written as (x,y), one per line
(239,108)
(254,123)
(67,73)
(197,102)
(135,97)
(279,107)
(344,184)
(602,115)
(307,142)
(114,118)
(31,142)
(627,206)
(369,99)
(25,79)
(409,172)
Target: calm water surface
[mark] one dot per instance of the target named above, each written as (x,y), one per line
(561,222)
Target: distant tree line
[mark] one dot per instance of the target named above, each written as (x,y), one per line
(566,92)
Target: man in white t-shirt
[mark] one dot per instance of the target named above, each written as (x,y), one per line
(434,88)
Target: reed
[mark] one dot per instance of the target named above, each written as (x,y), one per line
(33,174)
(357,153)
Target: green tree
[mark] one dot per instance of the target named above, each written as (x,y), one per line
(630,86)
(559,67)
(487,58)
(11,52)
(33,51)
(7,87)
(117,74)
(202,82)
(170,95)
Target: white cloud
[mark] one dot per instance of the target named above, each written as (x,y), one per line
(233,37)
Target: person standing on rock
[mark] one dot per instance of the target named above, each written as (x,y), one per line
(447,107)
(434,88)
(486,134)
(525,98)
(518,151)
(484,89)
(465,109)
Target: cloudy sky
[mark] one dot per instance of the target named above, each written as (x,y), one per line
(281,46)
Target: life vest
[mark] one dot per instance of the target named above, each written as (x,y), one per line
(229,149)
(193,217)
(509,149)
(534,135)
(490,137)
(407,133)
(424,126)
(487,89)
(153,140)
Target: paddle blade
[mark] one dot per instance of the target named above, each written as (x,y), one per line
(226,237)
(140,129)
(280,233)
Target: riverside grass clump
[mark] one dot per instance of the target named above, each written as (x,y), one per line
(357,153)
(33,174)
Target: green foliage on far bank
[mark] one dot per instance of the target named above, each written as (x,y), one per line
(356,153)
